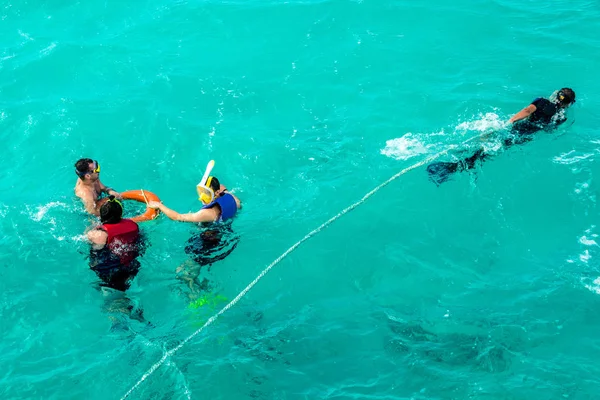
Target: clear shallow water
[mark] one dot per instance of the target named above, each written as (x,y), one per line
(486,287)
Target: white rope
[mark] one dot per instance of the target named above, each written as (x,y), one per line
(281,257)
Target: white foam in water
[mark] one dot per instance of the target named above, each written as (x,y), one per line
(78,238)
(580,187)
(405,147)
(486,122)
(588,242)
(411,145)
(571,157)
(42,210)
(585,256)
(589,237)
(48,49)
(595,286)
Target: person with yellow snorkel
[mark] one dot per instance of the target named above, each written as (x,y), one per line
(219,204)
(215,240)
(88,187)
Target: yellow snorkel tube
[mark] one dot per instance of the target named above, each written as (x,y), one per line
(205,194)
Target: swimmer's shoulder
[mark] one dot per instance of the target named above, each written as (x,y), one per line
(238,202)
(97,237)
(79,190)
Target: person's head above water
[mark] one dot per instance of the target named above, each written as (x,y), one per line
(217,203)
(565,97)
(87,169)
(207,196)
(214,184)
(111,211)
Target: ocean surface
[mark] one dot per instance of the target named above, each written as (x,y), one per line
(484,287)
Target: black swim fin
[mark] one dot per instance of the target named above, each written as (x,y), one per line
(439,172)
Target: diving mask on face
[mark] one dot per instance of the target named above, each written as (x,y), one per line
(560,97)
(205,194)
(95,170)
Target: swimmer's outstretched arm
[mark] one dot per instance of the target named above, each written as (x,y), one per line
(524,113)
(204,215)
(109,191)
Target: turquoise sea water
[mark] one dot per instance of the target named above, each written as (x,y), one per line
(486,287)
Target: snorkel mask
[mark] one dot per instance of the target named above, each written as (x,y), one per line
(559,97)
(205,194)
(96,170)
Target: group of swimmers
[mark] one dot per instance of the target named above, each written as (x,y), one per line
(116,243)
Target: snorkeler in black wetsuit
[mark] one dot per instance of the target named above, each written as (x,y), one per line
(215,240)
(211,244)
(541,114)
(116,245)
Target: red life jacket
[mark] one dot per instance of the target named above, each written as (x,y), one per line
(122,239)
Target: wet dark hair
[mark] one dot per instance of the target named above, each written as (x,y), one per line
(569,96)
(215,184)
(82,166)
(111,211)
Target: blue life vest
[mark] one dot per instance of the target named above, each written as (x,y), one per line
(227,204)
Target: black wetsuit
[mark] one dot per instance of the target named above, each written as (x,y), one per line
(212,243)
(546,116)
(111,271)
(116,271)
